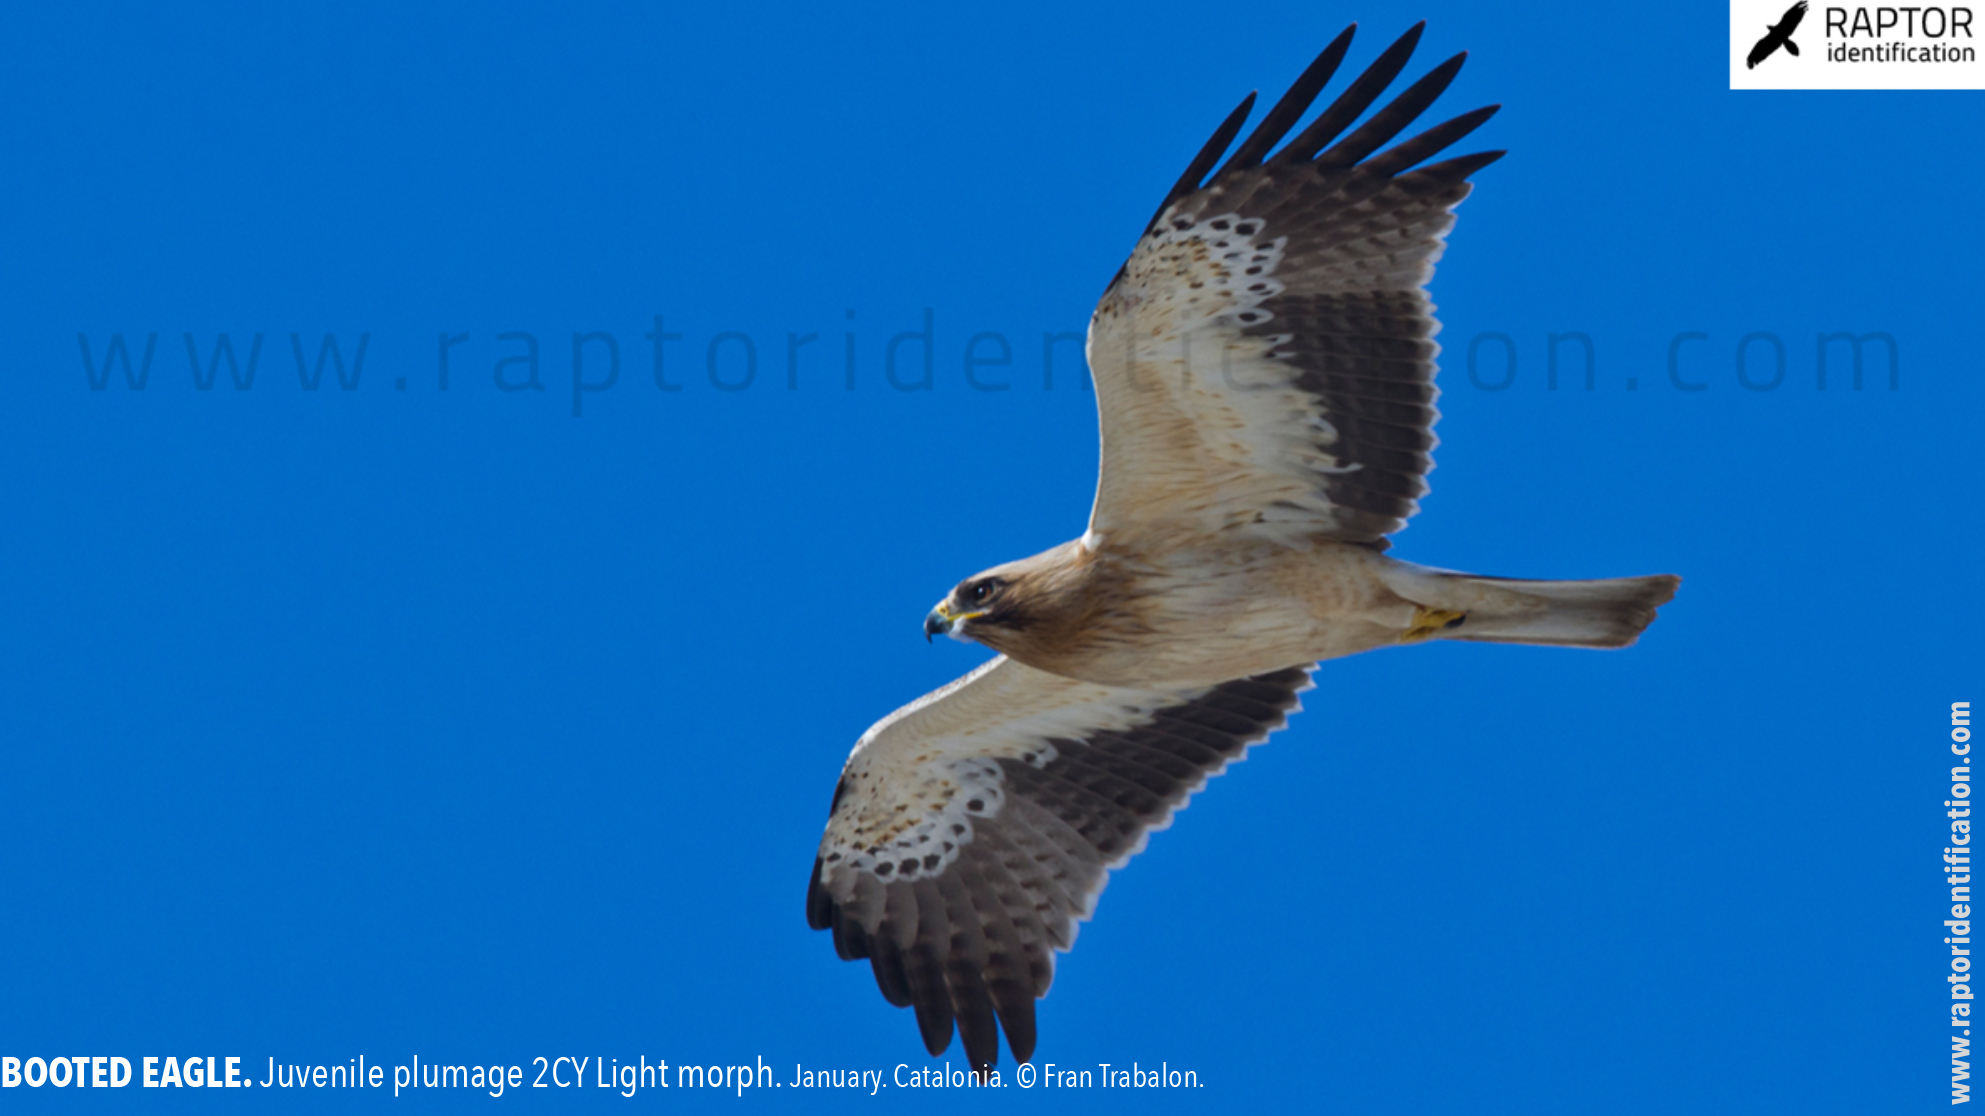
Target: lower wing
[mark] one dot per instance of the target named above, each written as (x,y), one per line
(973,829)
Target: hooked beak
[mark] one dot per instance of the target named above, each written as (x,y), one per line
(942,620)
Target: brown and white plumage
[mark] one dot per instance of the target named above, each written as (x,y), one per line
(1264,361)
(972,829)
(1264,366)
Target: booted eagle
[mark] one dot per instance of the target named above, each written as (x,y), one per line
(1264,370)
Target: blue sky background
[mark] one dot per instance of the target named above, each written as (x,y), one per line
(398,722)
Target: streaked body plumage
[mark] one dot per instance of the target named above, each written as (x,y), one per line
(1264,366)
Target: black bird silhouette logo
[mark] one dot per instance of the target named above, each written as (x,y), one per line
(1779,36)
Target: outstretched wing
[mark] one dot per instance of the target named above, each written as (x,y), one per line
(1265,360)
(973,828)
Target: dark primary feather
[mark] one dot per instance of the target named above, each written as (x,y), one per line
(1389,121)
(1268,133)
(1354,100)
(973,946)
(1195,171)
(1287,111)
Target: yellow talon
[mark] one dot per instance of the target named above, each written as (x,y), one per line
(1430,622)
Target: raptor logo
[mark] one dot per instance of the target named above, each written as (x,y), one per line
(1779,36)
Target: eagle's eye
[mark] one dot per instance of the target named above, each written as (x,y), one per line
(982,591)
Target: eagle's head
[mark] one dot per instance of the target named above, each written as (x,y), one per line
(981,608)
(1010,608)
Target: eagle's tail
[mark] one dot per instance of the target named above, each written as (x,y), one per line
(1604,613)
(1792,48)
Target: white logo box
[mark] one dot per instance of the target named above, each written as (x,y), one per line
(1855,46)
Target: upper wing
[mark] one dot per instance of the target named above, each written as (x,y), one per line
(972,828)
(1265,359)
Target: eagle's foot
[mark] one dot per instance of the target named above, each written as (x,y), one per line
(1430,622)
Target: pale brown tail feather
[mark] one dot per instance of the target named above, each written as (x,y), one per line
(1611,612)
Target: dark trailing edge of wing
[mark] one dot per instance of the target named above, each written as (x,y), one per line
(1310,145)
(972,946)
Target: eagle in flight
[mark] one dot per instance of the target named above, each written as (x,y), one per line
(1264,370)
(1778,36)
